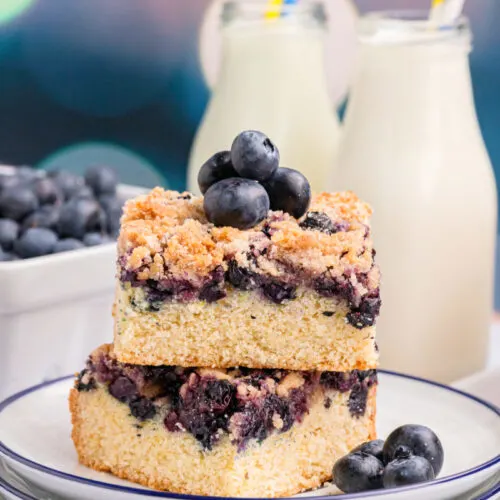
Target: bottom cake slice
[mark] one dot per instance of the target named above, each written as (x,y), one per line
(232,432)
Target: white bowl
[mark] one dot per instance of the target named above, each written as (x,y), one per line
(54,310)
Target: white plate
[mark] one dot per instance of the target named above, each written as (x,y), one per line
(35,441)
(14,487)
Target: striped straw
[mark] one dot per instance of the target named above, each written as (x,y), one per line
(445,12)
(275,8)
(436,13)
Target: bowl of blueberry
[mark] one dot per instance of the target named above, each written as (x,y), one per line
(57,252)
(44,213)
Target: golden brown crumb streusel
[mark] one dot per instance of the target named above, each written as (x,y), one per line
(166,233)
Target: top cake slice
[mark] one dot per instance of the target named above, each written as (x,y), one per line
(299,294)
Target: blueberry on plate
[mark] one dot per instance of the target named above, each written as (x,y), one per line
(9,231)
(47,191)
(17,202)
(35,242)
(113,208)
(289,191)
(80,216)
(236,202)
(254,156)
(68,244)
(215,169)
(358,471)
(420,440)
(375,448)
(102,179)
(46,216)
(407,469)
(94,239)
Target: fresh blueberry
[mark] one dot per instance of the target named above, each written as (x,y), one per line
(46,216)
(375,448)
(67,182)
(17,202)
(420,440)
(8,181)
(358,472)
(254,156)
(407,469)
(9,231)
(236,202)
(84,192)
(102,179)
(80,216)
(289,191)
(67,244)
(7,257)
(47,191)
(35,242)
(94,239)
(113,208)
(28,174)
(215,169)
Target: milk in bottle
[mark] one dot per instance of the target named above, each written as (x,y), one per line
(412,148)
(272,79)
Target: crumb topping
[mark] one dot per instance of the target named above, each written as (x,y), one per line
(166,233)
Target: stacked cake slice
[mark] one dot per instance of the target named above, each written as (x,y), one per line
(244,360)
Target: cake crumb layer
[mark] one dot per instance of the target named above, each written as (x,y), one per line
(308,333)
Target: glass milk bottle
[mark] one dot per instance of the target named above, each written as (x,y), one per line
(412,148)
(272,79)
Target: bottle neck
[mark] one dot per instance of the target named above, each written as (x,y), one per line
(412,82)
(265,55)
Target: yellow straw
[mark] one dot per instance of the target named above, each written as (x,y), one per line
(436,13)
(273,9)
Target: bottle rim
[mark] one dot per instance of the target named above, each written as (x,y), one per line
(263,10)
(395,27)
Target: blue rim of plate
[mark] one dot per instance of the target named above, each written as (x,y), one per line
(160,494)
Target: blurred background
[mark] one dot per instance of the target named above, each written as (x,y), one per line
(125,83)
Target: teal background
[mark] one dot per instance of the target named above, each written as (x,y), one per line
(119,82)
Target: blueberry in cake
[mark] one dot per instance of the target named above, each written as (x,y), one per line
(225,432)
(244,356)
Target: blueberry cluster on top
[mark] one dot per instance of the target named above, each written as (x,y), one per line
(43,213)
(241,185)
(411,454)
